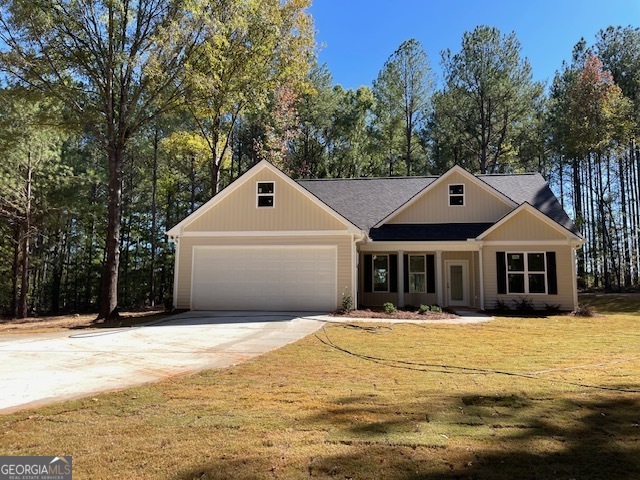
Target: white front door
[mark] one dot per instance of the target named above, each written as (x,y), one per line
(457,283)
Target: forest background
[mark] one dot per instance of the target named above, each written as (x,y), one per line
(118,118)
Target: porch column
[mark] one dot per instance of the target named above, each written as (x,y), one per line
(439,277)
(400,278)
(481,278)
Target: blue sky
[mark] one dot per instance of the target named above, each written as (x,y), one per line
(359,35)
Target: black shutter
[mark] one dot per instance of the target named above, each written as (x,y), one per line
(368,273)
(405,262)
(431,274)
(501,267)
(393,273)
(552,277)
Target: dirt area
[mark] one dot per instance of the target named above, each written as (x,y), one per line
(77,321)
(399,315)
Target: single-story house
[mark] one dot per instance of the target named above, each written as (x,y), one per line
(267,242)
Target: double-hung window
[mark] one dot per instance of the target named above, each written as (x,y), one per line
(380,273)
(417,274)
(456,195)
(526,272)
(265,195)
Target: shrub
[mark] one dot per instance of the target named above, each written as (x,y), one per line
(584,311)
(347,301)
(436,308)
(424,309)
(524,305)
(389,308)
(501,306)
(554,308)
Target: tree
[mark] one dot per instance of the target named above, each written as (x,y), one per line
(115,65)
(493,95)
(402,90)
(30,147)
(250,50)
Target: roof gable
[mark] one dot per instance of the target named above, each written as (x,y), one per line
(235,209)
(431,204)
(527,223)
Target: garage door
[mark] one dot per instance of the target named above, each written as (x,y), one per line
(264,278)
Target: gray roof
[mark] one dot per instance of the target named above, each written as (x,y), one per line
(367,201)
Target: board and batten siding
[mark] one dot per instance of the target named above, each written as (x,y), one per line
(525,226)
(564,266)
(186,244)
(531,233)
(239,212)
(433,206)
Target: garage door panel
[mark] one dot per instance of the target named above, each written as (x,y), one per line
(264,278)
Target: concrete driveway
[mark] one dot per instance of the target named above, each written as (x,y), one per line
(38,369)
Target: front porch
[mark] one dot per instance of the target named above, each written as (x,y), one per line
(417,273)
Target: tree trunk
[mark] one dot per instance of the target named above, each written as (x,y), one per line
(109,293)
(24,281)
(15,269)
(154,192)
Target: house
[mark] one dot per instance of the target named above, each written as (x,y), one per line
(267,242)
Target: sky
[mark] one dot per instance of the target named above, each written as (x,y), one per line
(356,37)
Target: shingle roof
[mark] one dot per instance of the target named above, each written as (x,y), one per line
(531,188)
(367,201)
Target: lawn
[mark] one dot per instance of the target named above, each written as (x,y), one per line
(552,397)
(74,321)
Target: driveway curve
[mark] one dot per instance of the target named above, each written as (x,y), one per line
(38,369)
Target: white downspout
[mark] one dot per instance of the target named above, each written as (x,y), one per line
(400,278)
(439,277)
(480,265)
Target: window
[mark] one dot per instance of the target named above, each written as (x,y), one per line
(456,195)
(417,274)
(380,273)
(266,194)
(526,272)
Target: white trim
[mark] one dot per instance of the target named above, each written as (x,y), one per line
(269,233)
(373,271)
(551,243)
(176,270)
(177,230)
(424,272)
(400,278)
(481,286)
(465,281)
(455,169)
(439,282)
(449,194)
(574,277)
(355,258)
(527,207)
(526,272)
(273,194)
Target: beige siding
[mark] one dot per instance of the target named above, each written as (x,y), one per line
(525,226)
(564,268)
(433,206)
(238,212)
(186,244)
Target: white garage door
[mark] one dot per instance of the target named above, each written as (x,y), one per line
(264,278)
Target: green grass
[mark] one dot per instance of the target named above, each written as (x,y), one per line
(612,302)
(388,402)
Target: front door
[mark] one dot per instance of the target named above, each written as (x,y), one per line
(457,283)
